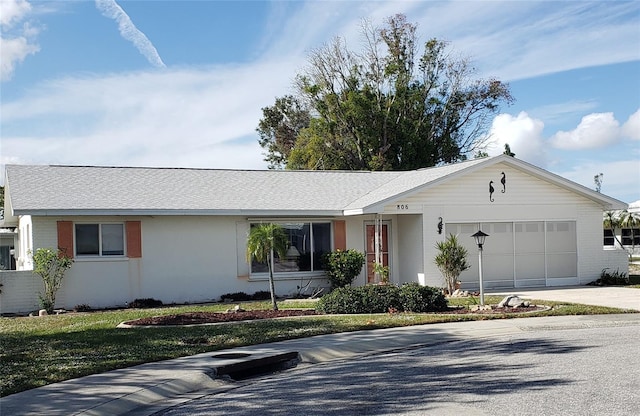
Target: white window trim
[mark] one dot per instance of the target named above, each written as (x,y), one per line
(294,275)
(100,255)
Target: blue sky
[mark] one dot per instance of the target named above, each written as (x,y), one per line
(182,83)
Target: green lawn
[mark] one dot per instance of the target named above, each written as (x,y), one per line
(36,351)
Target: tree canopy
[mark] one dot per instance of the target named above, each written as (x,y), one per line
(390,106)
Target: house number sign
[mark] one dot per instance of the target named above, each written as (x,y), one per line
(402,207)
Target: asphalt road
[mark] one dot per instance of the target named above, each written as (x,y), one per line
(588,371)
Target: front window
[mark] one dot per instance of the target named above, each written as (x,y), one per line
(307,243)
(99,239)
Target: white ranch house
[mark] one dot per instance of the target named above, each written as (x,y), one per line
(179,235)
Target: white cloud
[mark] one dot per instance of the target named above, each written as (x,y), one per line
(507,39)
(631,128)
(522,133)
(15,45)
(594,131)
(111,9)
(13,11)
(199,118)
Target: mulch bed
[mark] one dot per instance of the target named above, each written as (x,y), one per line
(193,318)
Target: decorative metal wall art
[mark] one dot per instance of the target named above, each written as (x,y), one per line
(439,225)
(503,181)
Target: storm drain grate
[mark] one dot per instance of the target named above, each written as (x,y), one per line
(231,355)
(258,366)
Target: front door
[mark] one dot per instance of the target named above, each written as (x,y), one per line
(383,249)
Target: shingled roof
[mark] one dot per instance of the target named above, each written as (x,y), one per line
(82,190)
(94,190)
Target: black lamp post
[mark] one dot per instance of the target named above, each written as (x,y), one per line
(479,237)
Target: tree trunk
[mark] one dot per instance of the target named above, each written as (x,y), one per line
(272,287)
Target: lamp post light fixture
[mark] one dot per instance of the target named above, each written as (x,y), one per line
(479,237)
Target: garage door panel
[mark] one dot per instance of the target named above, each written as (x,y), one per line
(501,238)
(561,236)
(562,265)
(529,237)
(529,266)
(497,267)
(520,254)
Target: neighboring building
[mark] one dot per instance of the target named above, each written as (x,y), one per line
(179,235)
(629,237)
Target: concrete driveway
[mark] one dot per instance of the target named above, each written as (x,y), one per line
(612,296)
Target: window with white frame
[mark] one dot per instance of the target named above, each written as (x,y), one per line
(99,239)
(307,243)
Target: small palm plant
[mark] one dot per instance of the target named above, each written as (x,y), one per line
(451,260)
(263,241)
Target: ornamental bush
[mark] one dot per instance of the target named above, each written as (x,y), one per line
(50,265)
(382,298)
(417,298)
(142,303)
(342,266)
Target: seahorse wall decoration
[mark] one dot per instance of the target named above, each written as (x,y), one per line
(439,225)
(491,190)
(504,182)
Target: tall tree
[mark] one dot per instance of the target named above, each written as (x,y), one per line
(264,240)
(279,128)
(388,107)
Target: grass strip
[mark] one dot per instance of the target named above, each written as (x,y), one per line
(36,351)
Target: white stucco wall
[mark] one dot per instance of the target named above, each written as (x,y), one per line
(184,259)
(410,247)
(20,291)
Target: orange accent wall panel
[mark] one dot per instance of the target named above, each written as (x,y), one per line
(134,239)
(339,235)
(65,238)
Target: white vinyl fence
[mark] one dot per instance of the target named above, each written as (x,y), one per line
(20,291)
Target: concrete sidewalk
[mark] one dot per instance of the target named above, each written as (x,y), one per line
(134,390)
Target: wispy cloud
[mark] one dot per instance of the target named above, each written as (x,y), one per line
(111,9)
(15,43)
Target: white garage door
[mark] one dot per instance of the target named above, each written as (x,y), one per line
(520,254)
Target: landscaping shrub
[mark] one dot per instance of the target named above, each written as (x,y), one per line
(145,303)
(381,299)
(342,267)
(237,297)
(341,300)
(82,308)
(608,278)
(417,298)
(51,266)
(261,295)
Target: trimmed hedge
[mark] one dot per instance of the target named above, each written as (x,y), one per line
(382,298)
(417,298)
